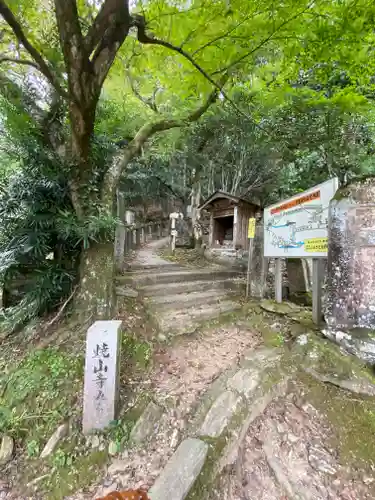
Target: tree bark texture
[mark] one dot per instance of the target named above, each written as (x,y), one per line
(96,295)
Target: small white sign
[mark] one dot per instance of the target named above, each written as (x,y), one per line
(298,226)
(174,232)
(101,375)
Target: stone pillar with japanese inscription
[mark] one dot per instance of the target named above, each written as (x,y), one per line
(101,384)
(350,291)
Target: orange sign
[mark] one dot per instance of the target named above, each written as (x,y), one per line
(298,201)
(126,495)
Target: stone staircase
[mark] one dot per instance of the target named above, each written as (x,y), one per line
(181,298)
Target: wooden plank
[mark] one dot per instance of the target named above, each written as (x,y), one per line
(249,267)
(235,227)
(228,212)
(317,280)
(211,235)
(278,281)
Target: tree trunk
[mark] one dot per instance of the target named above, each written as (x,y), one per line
(96,296)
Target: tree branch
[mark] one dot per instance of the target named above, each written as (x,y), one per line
(71,41)
(150,129)
(86,75)
(41,64)
(264,41)
(140,23)
(144,133)
(224,35)
(24,62)
(108,33)
(101,23)
(149,102)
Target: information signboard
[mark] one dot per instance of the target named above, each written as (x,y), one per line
(298,226)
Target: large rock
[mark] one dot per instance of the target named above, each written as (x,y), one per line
(181,471)
(147,423)
(263,356)
(358,385)
(298,279)
(54,440)
(219,414)
(6,449)
(283,308)
(244,382)
(350,293)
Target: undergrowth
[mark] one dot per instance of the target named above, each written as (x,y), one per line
(39,393)
(43,389)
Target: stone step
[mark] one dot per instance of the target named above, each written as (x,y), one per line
(145,278)
(182,300)
(222,419)
(181,471)
(184,321)
(192,286)
(167,266)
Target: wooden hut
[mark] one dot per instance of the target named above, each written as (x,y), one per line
(229,218)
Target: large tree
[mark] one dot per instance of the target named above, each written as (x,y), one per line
(177,57)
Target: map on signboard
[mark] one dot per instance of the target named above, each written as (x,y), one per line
(298,226)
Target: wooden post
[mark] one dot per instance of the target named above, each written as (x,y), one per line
(264,274)
(278,281)
(235,227)
(150,231)
(159,231)
(211,237)
(249,262)
(251,229)
(119,246)
(173,234)
(138,237)
(120,233)
(317,279)
(143,235)
(132,239)
(126,242)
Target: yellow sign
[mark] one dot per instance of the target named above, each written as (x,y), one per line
(251,228)
(316,245)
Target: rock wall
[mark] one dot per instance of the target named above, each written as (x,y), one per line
(350,293)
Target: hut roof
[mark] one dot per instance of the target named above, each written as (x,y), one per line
(222,194)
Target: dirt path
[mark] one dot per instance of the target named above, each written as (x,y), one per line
(182,374)
(147,256)
(286,443)
(286,453)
